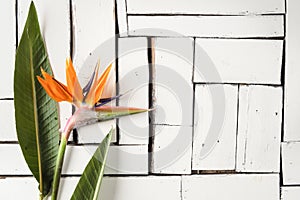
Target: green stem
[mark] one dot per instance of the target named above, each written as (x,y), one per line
(58,167)
(41,196)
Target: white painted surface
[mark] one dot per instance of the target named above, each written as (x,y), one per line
(259,129)
(290,193)
(222,156)
(94,27)
(54,18)
(291,163)
(122,17)
(94,24)
(238,61)
(18,188)
(172,150)
(133,80)
(120,160)
(95,133)
(240,186)
(7,47)
(173,81)
(7,121)
(292,72)
(222,7)
(14,163)
(132,188)
(207,26)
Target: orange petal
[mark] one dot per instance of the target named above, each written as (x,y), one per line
(90,97)
(101,84)
(72,81)
(55,89)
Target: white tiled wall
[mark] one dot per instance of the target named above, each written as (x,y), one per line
(192,62)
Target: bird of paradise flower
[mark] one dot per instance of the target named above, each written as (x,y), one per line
(90,107)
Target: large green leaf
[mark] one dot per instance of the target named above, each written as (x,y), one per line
(89,184)
(36,114)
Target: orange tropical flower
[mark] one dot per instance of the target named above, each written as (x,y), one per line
(90,106)
(73,92)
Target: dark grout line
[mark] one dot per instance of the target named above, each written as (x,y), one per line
(237,126)
(194,103)
(126,16)
(241,84)
(151,96)
(9,142)
(17,26)
(72,46)
(6,99)
(117,35)
(202,15)
(211,37)
(283,71)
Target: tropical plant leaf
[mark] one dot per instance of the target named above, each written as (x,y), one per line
(35,112)
(89,184)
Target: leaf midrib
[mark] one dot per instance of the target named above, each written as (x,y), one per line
(35,114)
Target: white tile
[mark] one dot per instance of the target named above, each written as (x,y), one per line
(172,150)
(133,75)
(173,81)
(290,193)
(120,160)
(122,17)
(238,61)
(292,73)
(7,121)
(239,186)
(207,26)
(95,133)
(94,26)
(291,163)
(7,48)
(259,129)
(27,188)
(205,7)
(223,149)
(132,188)
(54,18)
(15,166)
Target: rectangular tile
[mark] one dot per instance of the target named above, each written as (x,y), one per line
(292,73)
(172,150)
(95,133)
(211,103)
(54,18)
(120,159)
(239,186)
(221,7)
(259,129)
(207,26)
(238,61)
(7,48)
(27,188)
(173,101)
(94,40)
(290,163)
(122,17)
(7,121)
(133,74)
(290,193)
(131,188)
